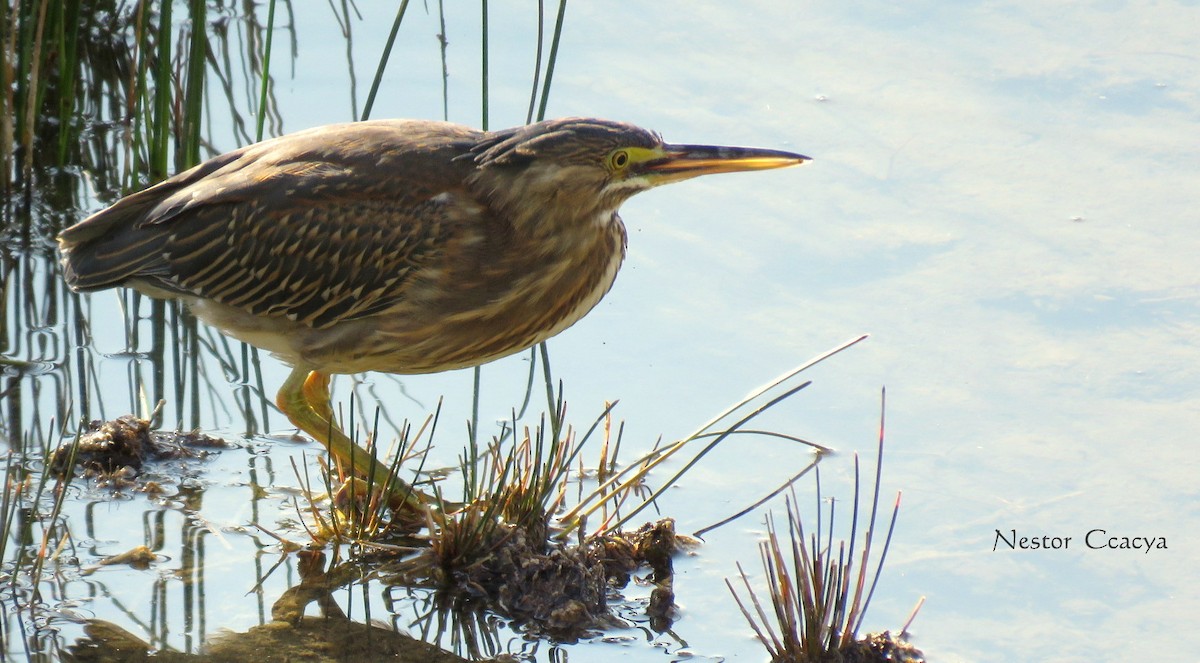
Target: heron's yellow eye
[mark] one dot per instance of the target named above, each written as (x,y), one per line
(618,159)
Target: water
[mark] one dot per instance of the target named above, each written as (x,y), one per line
(1002,195)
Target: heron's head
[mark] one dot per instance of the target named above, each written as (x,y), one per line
(590,165)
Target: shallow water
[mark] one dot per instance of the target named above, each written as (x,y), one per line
(1002,195)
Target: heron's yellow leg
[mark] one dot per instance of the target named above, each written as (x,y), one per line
(304,398)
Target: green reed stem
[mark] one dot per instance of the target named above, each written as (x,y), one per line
(161,128)
(443,44)
(33,34)
(483,93)
(383,60)
(68,36)
(474,432)
(558,25)
(552,402)
(537,60)
(266,73)
(193,91)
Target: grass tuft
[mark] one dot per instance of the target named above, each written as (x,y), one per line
(819,594)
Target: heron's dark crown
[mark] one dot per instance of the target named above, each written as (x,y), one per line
(568,140)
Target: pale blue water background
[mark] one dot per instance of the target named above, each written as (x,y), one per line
(1003,194)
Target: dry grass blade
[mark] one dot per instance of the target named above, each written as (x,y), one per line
(766,498)
(633,475)
(773,645)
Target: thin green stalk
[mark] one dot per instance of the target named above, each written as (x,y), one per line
(9,501)
(260,123)
(161,128)
(258,379)
(856,599)
(191,328)
(555,422)
(135,141)
(474,437)
(812,465)
(484,65)
(266,73)
(69,35)
(8,29)
(193,90)
(383,59)
(443,43)
(895,511)
(35,88)
(533,352)
(346,26)
(845,598)
(537,61)
(558,25)
(61,483)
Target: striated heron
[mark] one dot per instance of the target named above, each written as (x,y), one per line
(401,246)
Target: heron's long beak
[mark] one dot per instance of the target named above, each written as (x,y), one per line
(680,162)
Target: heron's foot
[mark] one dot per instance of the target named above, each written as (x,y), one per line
(359,508)
(304,398)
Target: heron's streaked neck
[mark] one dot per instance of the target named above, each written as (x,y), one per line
(536,204)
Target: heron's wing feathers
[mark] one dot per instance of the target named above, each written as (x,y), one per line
(307,233)
(312,265)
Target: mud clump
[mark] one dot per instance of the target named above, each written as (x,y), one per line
(563,589)
(114,451)
(878,648)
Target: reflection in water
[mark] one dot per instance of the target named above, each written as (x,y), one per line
(290,635)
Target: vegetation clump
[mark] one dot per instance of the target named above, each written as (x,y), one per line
(114,451)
